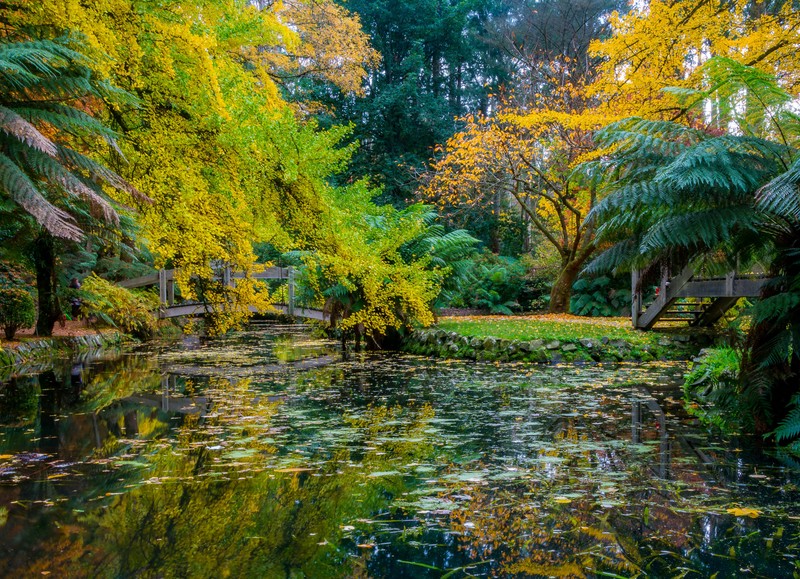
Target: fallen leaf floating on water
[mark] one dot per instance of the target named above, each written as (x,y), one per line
(563,500)
(294,469)
(744,512)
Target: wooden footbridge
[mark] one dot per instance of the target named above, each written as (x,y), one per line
(165,279)
(692,299)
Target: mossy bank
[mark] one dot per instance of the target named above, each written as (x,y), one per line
(35,350)
(448,344)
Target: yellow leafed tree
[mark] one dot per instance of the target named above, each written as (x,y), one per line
(212,141)
(662,44)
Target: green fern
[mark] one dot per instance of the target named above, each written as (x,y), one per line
(41,174)
(789,428)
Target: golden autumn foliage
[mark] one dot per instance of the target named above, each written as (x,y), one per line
(332,46)
(211,140)
(364,280)
(662,44)
(528,157)
(651,66)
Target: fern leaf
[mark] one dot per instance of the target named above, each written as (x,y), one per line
(17,127)
(19,187)
(789,428)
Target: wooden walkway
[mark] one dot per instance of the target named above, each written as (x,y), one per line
(165,279)
(691,299)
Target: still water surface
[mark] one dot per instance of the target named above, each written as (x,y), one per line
(265,455)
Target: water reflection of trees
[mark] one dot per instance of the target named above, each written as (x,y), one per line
(212,504)
(529,527)
(293,482)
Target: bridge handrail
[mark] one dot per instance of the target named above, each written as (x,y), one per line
(165,279)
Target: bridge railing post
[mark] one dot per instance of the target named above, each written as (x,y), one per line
(162,287)
(636,297)
(729,279)
(291,292)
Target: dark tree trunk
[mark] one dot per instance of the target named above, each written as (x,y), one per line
(44,261)
(570,268)
(562,288)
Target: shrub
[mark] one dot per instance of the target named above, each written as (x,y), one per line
(17,310)
(713,392)
(12,274)
(536,290)
(488,282)
(130,311)
(601,296)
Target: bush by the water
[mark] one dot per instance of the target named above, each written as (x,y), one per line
(17,310)
(130,311)
(490,282)
(713,392)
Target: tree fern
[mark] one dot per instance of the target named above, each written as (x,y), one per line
(789,428)
(700,231)
(38,80)
(19,187)
(781,196)
(677,194)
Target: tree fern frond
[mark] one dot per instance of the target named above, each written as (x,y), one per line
(645,194)
(613,258)
(781,196)
(20,129)
(665,131)
(776,307)
(54,172)
(80,162)
(724,164)
(66,119)
(19,187)
(775,351)
(699,230)
(732,81)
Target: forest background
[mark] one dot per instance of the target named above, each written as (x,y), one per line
(405,156)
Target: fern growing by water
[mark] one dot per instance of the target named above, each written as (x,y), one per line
(724,198)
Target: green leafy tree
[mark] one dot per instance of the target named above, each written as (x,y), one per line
(437,64)
(51,190)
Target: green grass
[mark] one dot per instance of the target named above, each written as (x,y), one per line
(537,327)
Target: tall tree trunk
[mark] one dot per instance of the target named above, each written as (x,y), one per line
(562,288)
(44,261)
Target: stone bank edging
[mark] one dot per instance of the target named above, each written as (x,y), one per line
(444,344)
(43,347)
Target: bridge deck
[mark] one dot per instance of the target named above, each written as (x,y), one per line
(165,279)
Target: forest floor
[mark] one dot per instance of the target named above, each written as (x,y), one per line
(70,329)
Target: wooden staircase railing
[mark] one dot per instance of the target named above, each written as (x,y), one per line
(719,295)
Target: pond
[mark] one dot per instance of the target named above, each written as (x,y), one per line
(265,455)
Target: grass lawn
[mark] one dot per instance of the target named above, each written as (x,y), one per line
(548,327)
